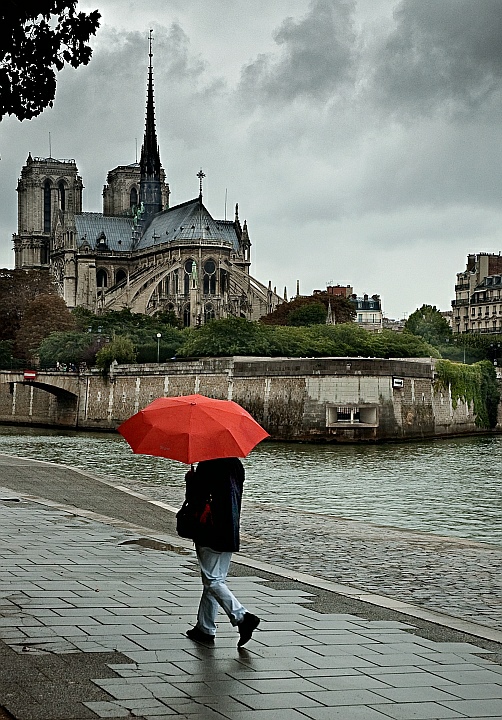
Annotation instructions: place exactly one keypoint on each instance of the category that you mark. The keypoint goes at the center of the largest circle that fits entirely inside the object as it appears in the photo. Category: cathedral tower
(49, 192)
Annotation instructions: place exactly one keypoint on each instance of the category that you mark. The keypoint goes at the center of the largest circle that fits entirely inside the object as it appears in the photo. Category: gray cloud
(444, 55)
(316, 56)
(358, 143)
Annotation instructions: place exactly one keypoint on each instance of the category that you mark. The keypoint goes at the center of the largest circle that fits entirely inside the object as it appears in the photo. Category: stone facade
(307, 400)
(368, 312)
(477, 307)
(48, 190)
(139, 253)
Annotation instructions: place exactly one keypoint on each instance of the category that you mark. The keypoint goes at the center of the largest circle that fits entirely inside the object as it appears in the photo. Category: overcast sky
(361, 138)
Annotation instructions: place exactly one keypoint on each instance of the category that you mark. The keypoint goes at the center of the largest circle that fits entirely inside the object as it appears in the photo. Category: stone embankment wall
(325, 399)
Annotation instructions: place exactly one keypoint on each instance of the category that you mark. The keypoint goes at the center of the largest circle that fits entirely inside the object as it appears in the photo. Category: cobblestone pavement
(453, 576)
(92, 626)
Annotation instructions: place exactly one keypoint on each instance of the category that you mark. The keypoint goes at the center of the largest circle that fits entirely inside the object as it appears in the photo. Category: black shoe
(199, 636)
(247, 627)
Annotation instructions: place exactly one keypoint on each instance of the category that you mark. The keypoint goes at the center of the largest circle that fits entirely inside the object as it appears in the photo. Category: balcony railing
(485, 301)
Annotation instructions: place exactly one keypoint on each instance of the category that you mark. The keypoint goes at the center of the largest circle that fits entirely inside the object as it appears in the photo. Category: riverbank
(435, 573)
(94, 609)
(335, 400)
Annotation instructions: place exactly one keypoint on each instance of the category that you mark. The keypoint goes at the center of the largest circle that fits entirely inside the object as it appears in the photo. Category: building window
(133, 197)
(188, 276)
(209, 283)
(62, 196)
(47, 206)
(101, 280)
(120, 275)
(224, 281)
(208, 312)
(186, 316)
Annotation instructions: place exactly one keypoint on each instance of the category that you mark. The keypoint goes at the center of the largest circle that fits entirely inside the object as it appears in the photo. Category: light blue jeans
(213, 569)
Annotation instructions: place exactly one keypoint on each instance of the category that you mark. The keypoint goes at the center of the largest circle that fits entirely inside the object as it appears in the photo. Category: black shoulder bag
(192, 522)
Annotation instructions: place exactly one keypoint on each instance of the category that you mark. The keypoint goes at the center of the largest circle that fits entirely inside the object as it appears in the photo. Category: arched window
(176, 282)
(223, 282)
(209, 282)
(62, 195)
(186, 316)
(208, 312)
(120, 275)
(188, 276)
(133, 197)
(101, 279)
(47, 206)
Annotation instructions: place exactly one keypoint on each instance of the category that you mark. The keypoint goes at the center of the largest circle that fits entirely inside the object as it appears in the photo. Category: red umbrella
(192, 428)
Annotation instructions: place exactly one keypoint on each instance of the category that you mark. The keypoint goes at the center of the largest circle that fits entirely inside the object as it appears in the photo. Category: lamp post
(159, 335)
(463, 346)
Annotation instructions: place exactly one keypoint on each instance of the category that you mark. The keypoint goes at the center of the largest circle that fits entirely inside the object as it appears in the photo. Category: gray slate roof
(118, 231)
(189, 222)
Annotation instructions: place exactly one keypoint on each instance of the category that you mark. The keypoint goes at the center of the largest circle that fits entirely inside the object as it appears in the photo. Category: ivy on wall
(474, 384)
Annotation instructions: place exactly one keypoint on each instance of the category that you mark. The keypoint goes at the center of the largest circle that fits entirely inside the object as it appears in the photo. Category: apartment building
(477, 307)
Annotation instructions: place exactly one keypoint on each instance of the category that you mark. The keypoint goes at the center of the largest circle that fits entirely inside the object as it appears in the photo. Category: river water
(448, 487)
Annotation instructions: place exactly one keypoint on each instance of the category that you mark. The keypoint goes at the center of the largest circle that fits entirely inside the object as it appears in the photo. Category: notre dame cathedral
(139, 253)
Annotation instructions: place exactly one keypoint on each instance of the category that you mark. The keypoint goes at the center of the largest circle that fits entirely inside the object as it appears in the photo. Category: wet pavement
(96, 593)
(439, 573)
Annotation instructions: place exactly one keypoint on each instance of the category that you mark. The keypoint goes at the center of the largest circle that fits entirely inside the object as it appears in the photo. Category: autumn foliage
(299, 311)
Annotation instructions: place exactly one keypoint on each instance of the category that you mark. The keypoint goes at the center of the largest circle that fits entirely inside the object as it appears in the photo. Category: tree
(428, 323)
(169, 317)
(237, 336)
(36, 40)
(7, 362)
(140, 328)
(44, 315)
(229, 336)
(70, 348)
(341, 308)
(168, 347)
(311, 314)
(17, 289)
(120, 349)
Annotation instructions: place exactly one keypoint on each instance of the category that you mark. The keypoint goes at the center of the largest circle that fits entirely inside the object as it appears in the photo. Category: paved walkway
(93, 612)
(441, 574)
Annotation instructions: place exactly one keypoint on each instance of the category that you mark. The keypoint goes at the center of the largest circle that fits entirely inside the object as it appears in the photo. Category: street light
(159, 335)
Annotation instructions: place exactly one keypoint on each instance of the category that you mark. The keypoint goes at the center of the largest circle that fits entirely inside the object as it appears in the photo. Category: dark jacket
(221, 481)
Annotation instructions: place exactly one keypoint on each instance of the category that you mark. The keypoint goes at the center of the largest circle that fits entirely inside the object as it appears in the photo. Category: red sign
(30, 374)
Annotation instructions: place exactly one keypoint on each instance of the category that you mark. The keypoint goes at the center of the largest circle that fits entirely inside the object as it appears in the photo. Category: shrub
(474, 384)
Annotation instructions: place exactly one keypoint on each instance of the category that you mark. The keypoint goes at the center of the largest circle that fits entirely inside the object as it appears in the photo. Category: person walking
(216, 487)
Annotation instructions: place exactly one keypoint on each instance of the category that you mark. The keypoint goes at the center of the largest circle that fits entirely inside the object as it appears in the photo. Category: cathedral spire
(150, 184)
(201, 177)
